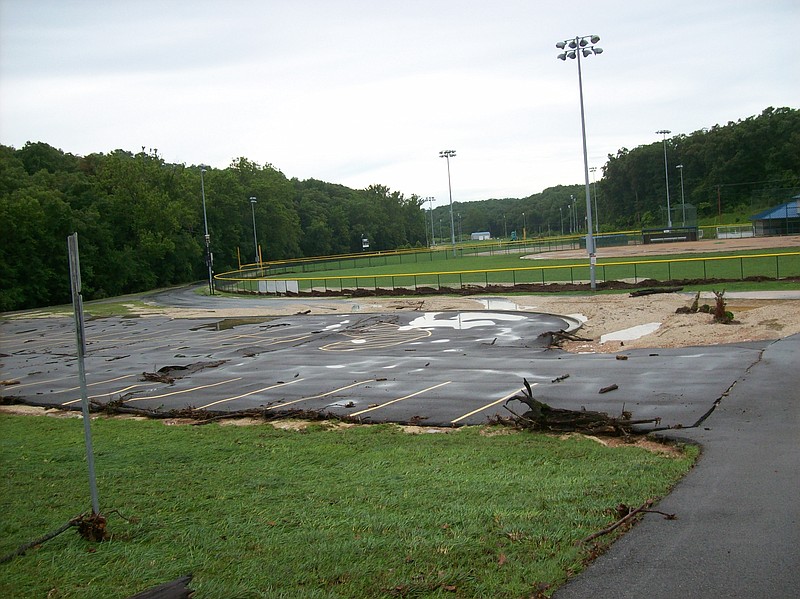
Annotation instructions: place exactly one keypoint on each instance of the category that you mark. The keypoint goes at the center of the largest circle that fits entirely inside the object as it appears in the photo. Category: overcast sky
(359, 92)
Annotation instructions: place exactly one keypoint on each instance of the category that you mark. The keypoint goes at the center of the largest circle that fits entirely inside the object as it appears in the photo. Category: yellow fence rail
(773, 266)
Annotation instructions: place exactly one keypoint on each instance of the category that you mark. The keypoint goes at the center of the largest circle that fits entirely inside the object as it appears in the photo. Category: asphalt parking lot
(737, 516)
(444, 368)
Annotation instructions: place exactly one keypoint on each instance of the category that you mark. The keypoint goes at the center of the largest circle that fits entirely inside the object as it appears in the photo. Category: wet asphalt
(737, 532)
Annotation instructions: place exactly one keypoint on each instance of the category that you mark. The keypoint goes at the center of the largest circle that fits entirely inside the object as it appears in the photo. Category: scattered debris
(621, 357)
(541, 416)
(558, 379)
(692, 308)
(9, 382)
(721, 315)
(175, 589)
(642, 292)
(169, 374)
(558, 337)
(625, 514)
(303, 312)
(91, 527)
(609, 388)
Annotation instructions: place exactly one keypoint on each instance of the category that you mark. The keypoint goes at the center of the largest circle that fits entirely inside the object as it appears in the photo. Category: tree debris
(169, 374)
(558, 337)
(91, 527)
(642, 292)
(175, 589)
(721, 315)
(609, 388)
(541, 416)
(625, 515)
(558, 379)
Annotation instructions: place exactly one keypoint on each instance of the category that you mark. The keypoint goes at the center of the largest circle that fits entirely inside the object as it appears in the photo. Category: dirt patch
(640, 441)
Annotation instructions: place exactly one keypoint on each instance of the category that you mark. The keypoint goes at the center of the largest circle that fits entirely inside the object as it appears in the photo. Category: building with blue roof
(780, 220)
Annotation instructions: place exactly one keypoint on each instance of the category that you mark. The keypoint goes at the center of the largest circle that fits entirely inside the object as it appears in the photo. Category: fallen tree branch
(541, 416)
(626, 518)
(642, 292)
(43, 539)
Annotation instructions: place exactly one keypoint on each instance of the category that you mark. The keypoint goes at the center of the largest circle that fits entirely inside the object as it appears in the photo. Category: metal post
(683, 203)
(666, 132)
(594, 186)
(77, 304)
(433, 232)
(447, 154)
(582, 46)
(255, 237)
(589, 236)
(209, 256)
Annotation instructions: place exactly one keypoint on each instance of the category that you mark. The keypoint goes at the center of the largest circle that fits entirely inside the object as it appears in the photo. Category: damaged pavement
(431, 368)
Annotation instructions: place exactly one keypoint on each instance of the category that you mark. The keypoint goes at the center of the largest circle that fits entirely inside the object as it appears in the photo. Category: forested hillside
(140, 219)
(733, 170)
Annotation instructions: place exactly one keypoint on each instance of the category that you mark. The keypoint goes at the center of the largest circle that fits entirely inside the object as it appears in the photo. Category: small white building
(480, 236)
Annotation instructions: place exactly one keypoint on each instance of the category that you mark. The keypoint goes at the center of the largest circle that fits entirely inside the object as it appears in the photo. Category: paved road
(738, 527)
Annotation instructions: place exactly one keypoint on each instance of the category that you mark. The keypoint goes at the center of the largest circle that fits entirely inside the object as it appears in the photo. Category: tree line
(730, 172)
(140, 219)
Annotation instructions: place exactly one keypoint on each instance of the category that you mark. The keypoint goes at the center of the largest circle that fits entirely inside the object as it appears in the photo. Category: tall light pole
(209, 256)
(561, 214)
(573, 214)
(683, 203)
(666, 132)
(524, 234)
(594, 186)
(505, 229)
(433, 233)
(582, 47)
(448, 154)
(255, 238)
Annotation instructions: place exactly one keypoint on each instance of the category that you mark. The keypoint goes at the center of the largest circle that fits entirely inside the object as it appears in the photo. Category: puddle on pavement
(226, 324)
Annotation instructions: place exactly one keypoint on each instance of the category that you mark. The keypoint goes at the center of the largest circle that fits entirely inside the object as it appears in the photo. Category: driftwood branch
(541, 416)
(642, 509)
(642, 292)
(43, 539)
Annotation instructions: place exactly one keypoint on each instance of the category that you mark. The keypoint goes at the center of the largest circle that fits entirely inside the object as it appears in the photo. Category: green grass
(359, 512)
(473, 271)
(512, 261)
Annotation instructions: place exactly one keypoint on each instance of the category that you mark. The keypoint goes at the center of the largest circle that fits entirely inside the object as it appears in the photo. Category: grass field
(325, 512)
(511, 270)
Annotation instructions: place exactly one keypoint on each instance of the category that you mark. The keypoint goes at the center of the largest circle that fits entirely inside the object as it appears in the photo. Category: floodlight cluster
(585, 45)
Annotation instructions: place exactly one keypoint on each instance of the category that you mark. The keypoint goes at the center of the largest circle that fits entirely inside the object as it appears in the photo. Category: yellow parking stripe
(326, 394)
(214, 403)
(123, 390)
(119, 378)
(183, 390)
(489, 405)
(383, 405)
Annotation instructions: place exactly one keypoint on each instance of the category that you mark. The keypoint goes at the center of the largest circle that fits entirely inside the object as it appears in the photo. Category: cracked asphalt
(737, 533)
